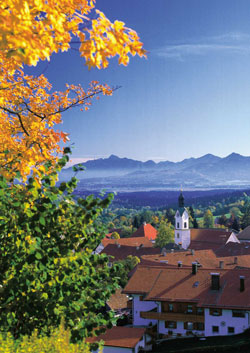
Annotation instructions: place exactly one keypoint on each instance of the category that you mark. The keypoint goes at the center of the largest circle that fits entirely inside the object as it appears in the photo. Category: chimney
(179, 263)
(194, 268)
(236, 260)
(144, 223)
(242, 283)
(221, 264)
(172, 250)
(118, 245)
(164, 252)
(215, 281)
(192, 251)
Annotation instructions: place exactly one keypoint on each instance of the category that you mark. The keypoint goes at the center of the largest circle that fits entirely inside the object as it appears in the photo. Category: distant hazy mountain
(203, 172)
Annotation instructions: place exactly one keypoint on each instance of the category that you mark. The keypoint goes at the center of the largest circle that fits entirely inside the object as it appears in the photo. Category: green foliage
(195, 223)
(115, 235)
(235, 225)
(208, 220)
(48, 270)
(245, 221)
(223, 220)
(57, 342)
(126, 231)
(126, 266)
(144, 216)
(165, 235)
(170, 215)
(235, 212)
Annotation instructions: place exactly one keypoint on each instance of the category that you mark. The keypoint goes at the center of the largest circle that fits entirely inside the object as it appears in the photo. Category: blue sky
(191, 96)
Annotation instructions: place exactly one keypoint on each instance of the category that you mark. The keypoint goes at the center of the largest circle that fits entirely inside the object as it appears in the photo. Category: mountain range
(208, 171)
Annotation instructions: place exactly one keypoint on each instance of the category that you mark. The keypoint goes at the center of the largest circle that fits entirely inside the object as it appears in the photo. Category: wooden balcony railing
(152, 315)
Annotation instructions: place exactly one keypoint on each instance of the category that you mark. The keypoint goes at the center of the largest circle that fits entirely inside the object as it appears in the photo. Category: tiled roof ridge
(187, 268)
(217, 229)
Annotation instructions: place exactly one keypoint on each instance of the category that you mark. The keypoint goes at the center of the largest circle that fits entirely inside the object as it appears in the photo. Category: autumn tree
(31, 31)
(48, 268)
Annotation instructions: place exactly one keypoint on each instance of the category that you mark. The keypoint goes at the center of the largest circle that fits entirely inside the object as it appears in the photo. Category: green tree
(235, 212)
(170, 215)
(223, 220)
(165, 235)
(195, 224)
(126, 266)
(115, 235)
(48, 271)
(235, 225)
(208, 220)
(245, 221)
(136, 221)
(126, 231)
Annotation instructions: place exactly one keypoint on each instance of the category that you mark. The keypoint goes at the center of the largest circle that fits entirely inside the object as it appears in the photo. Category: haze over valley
(123, 174)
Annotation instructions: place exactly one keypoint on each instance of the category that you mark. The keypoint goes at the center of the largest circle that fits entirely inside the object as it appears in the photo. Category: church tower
(182, 231)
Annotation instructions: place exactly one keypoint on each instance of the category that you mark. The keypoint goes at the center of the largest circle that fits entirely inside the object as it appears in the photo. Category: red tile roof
(202, 238)
(120, 336)
(233, 249)
(146, 230)
(118, 300)
(179, 284)
(210, 235)
(206, 259)
(121, 252)
(128, 241)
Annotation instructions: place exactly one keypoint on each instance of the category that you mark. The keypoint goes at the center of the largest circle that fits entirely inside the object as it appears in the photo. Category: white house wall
(179, 329)
(224, 321)
(139, 306)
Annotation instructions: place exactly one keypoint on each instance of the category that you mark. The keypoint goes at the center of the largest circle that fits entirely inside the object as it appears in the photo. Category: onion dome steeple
(181, 200)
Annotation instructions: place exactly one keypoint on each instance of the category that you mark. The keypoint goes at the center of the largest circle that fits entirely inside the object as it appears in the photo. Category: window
(178, 235)
(170, 324)
(200, 311)
(185, 224)
(215, 312)
(238, 313)
(215, 329)
(188, 326)
(178, 225)
(190, 308)
(170, 307)
(141, 298)
(200, 326)
(230, 329)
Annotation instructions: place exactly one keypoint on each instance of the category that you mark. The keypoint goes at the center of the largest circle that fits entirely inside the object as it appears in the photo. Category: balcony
(153, 315)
